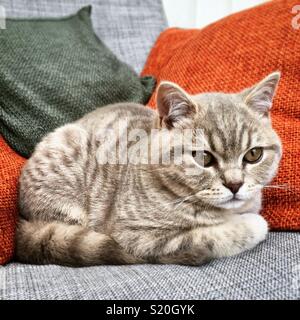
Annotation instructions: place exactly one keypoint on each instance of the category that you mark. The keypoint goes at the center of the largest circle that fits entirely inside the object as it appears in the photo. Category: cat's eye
(205, 158)
(254, 155)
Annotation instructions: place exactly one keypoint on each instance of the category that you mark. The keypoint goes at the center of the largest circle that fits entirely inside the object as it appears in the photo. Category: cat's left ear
(259, 97)
(175, 106)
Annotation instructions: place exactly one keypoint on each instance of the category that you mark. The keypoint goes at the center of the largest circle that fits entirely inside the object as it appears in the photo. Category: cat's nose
(234, 187)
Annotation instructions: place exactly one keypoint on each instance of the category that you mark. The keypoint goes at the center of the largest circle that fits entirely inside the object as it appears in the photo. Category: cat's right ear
(175, 106)
(259, 97)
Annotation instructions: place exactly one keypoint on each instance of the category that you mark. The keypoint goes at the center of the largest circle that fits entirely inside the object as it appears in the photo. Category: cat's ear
(259, 97)
(175, 106)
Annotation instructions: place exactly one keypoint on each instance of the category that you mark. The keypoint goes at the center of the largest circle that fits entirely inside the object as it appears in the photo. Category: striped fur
(75, 211)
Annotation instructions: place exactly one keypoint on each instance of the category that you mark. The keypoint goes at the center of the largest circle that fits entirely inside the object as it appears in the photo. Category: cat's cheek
(249, 189)
(272, 171)
(264, 171)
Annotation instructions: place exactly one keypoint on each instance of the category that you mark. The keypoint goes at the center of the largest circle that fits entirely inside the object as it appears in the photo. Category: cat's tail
(71, 245)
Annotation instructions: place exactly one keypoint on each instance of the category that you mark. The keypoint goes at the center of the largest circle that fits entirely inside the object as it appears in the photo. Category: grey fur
(77, 212)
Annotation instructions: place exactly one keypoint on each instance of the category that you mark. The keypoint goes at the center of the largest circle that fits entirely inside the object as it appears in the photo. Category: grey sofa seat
(128, 27)
(270, 271)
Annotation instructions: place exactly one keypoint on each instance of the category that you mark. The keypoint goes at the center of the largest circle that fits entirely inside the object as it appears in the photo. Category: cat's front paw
(242, 233)
(257, 227)
(248, 230)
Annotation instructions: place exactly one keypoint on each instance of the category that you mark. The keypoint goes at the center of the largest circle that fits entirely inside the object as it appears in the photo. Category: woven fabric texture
(128, 27)
(10, 167)
(270, 271)
(53, 71)
(235, 53)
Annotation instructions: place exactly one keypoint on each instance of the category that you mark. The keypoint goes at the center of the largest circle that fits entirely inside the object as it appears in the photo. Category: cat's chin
(230, 204)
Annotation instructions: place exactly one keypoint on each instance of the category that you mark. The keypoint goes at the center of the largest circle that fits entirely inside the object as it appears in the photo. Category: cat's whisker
(185, 199)
(175, 202)
(282, 186)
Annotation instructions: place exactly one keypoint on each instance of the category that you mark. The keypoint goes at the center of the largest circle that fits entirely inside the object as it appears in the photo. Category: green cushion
(53, 71)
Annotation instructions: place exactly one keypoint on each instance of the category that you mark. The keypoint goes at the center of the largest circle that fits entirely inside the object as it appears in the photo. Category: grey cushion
(128, 27)
(270, 271)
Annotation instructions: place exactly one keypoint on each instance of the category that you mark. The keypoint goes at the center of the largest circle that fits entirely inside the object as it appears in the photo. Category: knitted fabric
(10, 166)
(53, 71)
(235, 53)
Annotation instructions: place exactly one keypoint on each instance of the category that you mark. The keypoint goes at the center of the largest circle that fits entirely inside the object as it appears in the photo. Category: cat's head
(240, 152)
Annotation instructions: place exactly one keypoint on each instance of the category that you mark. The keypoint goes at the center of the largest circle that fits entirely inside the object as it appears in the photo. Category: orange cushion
(10, 167)
(235, 53)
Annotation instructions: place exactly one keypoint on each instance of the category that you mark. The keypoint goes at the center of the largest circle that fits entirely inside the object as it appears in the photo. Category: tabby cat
(79, 210)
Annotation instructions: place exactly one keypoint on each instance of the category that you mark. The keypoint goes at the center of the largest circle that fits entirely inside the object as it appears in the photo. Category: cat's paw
(241, 233)
(257, 227)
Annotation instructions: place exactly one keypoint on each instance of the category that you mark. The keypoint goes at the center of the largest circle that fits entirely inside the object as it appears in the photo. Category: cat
(78, 211)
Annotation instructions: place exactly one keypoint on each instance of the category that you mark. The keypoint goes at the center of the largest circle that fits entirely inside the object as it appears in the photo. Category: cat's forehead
(218, 102)
(228, 126)
(225, 111)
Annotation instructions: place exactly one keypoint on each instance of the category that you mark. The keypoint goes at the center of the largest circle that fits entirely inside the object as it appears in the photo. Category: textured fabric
(53, 71)
(10, 166)
(233, 54)
(270, 271)
(128, 27)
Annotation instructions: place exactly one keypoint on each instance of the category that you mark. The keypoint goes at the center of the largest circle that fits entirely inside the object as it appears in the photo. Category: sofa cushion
(128, 27)
(232, 54)
(270, 271)
(10, 167)
(52, 72)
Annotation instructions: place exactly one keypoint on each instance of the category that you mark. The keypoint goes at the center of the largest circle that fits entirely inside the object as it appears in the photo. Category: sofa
(270, 271)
